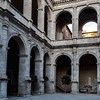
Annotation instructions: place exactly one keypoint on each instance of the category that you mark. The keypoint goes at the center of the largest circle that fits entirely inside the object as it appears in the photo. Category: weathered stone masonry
(33, 69)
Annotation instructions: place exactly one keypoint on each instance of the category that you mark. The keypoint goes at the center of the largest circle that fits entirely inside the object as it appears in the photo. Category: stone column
(49, 28)
(52, 75)
(39, 74)
(50, 82)
(3, 58)
(98, 21)
(27, 9)
(75, 73)
(41, 12)
(24, 85)
(98, 78)
(75, 23)
(27, 66)
(47, 74)
(52, 79)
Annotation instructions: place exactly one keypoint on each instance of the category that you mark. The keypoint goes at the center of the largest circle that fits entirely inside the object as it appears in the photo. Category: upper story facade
(47, 20)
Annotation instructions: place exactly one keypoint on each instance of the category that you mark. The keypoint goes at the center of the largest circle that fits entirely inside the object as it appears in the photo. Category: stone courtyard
(59, 96)
(49, 47)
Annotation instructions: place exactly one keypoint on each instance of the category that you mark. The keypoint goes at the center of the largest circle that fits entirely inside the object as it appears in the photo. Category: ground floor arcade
(38, 72)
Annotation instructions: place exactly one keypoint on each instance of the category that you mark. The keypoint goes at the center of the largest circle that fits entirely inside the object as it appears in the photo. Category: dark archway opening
(88, 74)
(87, 15)
(63, 74)
(18, 4)
(13, 68)
(62, 30)
(46, 72)
(46, 21)
(32, 71)
(35, 11)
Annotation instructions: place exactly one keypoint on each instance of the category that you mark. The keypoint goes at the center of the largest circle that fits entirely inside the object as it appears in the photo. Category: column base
(3, 98)
(98, 88)
(39, 87)
(3, 86)
(75, 89)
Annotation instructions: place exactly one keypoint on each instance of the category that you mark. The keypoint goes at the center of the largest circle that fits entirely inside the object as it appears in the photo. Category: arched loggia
(63, 31)
(88, 14)
(88, 74)
(14, 65)
(46, 73)
(34, 64)
(63, 74)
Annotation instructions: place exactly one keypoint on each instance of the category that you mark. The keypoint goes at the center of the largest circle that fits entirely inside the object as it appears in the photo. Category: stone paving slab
(59, 97)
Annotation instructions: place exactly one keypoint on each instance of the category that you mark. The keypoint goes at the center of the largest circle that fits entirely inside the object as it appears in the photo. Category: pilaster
(50, 81)
(75, 23)
(23, 75)
(75, 71)
(27, 9)
(49, 28)
(3, 58)
(52, 75)
(27, 66)
(98, 74)
(98, 20)
(53, 30)
(39, 73)
(41, 12)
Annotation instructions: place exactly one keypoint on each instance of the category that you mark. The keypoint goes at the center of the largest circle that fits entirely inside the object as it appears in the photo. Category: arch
(87, 52)
(89, 7)
(88, 82)
(37, 52)
(62, 30)
(38, 48)
(63, 74)
(16, 49)
(21, 42)
(60, 54)
(89, 10)
(47, 58)
(64, 11)
(87, 14)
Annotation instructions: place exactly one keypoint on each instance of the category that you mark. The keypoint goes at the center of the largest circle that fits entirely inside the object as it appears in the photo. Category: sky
(88, 27)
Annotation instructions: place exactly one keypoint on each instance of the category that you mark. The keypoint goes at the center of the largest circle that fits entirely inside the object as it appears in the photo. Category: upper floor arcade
(58, 26)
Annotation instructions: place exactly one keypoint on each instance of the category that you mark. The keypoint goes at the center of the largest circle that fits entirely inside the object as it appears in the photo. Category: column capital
(23, 55)
(47, 65)
(38, 60)
(40, 9)
(98, 63)
(78, 64)
(54, 64)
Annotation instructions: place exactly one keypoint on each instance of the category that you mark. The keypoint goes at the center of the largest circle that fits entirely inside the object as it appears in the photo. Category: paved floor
(59, 97)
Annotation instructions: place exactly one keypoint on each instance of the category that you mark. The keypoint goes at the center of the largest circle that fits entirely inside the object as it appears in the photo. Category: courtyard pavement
(59, 96)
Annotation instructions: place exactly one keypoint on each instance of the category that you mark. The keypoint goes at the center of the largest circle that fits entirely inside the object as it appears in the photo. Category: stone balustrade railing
(64, 1)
